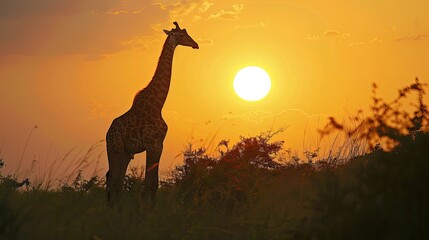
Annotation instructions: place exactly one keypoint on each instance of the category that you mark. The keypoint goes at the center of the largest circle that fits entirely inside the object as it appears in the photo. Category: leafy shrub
(390, 123)
(382, 195)
(228, 182)
(80, 184)
(10, 182)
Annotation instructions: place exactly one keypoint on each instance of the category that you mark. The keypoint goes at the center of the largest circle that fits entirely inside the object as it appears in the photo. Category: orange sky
(71, 67)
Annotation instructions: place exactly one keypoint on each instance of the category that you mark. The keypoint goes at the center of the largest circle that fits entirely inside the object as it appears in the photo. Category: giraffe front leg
(118, 163)
(151, 175)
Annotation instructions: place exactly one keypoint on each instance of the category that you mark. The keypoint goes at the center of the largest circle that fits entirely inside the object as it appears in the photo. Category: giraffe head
(181, 37)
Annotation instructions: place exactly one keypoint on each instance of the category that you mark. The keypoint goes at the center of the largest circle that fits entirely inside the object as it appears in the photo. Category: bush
(383, 194)
(229, 182)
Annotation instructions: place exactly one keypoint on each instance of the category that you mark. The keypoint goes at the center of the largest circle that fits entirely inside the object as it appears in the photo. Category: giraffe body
(142, 127)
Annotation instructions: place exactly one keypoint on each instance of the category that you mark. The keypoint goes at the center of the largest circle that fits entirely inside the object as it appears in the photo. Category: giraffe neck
(160, 84)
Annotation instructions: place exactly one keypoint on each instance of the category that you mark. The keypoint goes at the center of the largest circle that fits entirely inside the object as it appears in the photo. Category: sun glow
(252, 83)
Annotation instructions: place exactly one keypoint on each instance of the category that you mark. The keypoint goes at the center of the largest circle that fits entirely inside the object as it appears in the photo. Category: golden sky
(71, 67)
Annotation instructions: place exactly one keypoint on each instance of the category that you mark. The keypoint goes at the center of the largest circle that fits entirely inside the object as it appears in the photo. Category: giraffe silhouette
(142, 127)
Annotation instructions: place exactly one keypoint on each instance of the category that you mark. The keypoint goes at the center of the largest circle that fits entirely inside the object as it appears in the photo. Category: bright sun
(252, 83)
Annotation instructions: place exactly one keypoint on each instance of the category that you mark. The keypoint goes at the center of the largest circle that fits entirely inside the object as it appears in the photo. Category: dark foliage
(227, 183)
(381, 195)
(390, 122)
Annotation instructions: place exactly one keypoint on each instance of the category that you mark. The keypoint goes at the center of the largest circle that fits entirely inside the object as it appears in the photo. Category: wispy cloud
(87, 27)
(374, 40)
(329, 34)
(126, 12)
(230, 14)
(416, 37)
(118, 12)
(204, 41)
(139, 42)
(341, 38)
(183, 9)
(196, 18)
(205, 6)
(179, 10)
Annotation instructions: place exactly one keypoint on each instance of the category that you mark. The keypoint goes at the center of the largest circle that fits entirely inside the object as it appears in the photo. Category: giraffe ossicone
(142, 127)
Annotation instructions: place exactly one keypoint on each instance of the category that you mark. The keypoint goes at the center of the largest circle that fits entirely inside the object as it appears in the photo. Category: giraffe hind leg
(118, 163)
(151, 175)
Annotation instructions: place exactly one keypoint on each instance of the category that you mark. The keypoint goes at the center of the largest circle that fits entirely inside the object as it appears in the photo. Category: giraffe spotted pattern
(142, 127)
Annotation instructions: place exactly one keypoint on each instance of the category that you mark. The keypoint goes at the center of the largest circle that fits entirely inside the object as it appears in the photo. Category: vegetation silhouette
(142, 128)
(254, 190)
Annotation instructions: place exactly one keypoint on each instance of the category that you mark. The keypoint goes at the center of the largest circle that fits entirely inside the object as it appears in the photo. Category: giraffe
(142, 127)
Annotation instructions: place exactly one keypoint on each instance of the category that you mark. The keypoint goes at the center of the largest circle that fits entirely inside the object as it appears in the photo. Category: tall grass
(52, 173)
